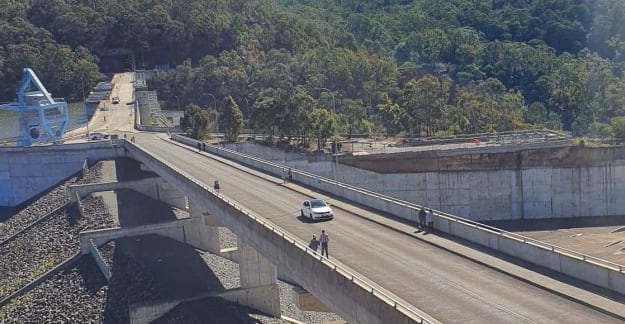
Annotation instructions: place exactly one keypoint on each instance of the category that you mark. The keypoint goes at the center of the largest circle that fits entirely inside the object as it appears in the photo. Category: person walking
(285, 173)
(199, 147)
(290, 173)
(314, 243)
(204, 147)
(422, 219)
(324, 239)
(216, 186)
(430, 219)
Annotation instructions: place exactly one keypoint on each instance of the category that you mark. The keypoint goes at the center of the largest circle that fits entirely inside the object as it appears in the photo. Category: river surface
(9, 120)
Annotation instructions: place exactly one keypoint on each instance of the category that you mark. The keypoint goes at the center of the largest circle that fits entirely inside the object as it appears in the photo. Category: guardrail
(408, 211)
(378, 292)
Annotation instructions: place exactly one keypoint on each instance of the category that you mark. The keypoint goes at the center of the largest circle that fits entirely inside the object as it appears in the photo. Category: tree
(321, 125)
(618, 126)
(231, 120)
(353, 113)
(195, 122)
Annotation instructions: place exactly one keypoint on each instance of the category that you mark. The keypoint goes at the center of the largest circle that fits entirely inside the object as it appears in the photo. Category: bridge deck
(435, 274)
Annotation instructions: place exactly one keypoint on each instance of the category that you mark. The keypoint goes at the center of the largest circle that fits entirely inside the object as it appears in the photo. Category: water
(9, 119)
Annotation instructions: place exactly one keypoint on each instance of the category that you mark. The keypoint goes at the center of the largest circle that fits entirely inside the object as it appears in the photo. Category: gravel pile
(50, 201)
(47, 244)
(77, 295)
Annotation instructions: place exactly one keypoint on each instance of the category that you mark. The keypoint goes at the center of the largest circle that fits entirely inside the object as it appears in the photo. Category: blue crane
(41, 118)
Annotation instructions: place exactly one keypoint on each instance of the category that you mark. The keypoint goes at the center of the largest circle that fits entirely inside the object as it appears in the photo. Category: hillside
(412, 67)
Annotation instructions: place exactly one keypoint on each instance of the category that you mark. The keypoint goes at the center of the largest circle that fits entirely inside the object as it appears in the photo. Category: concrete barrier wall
(160, 129)
(104, 268)
(503, 194)
(596, 271)
(352, 298)
(28, 171)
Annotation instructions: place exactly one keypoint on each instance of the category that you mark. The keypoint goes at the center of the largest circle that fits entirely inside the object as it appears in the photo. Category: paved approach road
(450, 288)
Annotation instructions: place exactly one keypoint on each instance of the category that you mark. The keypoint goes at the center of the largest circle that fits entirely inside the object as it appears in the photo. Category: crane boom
(29, 77)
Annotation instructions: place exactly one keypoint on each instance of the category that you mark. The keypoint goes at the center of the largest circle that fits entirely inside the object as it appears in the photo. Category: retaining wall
(483, 183)
(28, 171)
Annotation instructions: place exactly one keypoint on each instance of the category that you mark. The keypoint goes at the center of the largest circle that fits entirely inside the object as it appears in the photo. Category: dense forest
(297, 68)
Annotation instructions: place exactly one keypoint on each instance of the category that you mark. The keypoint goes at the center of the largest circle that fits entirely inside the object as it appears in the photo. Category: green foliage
(321, 124)
(195, 121)
(601, 130)
(618, 127)
(416, 67)
(231, 120)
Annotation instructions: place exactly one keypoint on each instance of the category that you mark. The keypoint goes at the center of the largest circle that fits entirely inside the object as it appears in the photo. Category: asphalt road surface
(448, 287)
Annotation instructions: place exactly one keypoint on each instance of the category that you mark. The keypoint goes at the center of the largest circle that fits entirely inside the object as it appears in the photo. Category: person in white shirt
(429, 218)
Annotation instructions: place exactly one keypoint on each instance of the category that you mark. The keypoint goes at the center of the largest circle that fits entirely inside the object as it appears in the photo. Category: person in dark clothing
(422, 218)
(290, 175)
(314, 243)
(324, 239)
(216, 185)
(204, 146)
(199, 147)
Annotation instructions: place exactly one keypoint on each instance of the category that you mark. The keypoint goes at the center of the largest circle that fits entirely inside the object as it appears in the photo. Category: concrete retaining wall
(352, 298)
(28, 171)
(104, 268)
(502, 194)
(596, 271)
(160, 129)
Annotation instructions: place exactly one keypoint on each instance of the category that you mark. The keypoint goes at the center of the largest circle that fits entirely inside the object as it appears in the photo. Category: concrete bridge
(380, 270)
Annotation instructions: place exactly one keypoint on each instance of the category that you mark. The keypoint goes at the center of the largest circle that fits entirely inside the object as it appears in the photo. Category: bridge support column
(204, 234)
(257, 272)
(168, 194)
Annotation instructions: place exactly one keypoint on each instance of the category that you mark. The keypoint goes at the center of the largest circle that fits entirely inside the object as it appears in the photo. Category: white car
(316, 209)
(98, 136)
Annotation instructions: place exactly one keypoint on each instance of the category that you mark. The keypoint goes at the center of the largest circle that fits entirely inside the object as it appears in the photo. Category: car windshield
(317, 203)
